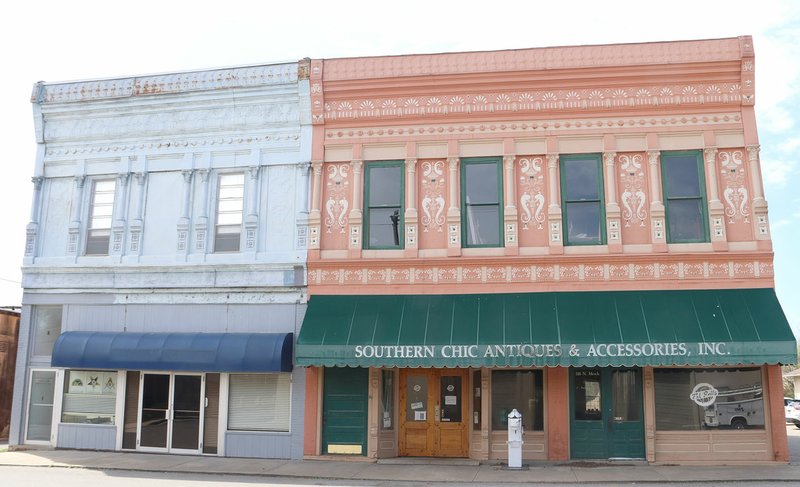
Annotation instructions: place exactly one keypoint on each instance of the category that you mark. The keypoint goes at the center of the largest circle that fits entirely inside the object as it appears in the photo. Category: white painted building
(164, 269)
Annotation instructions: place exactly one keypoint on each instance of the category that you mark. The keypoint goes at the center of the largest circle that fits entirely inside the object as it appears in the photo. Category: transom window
(684, 196)
(582, 200)
(230, 205)
(383, 215)
(100, 213)
(481, 211)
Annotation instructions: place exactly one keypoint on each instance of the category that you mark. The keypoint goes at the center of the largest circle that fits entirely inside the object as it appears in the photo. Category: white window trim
(33, 326)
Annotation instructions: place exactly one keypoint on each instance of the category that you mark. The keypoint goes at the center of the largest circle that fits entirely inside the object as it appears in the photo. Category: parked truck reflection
(736, 408)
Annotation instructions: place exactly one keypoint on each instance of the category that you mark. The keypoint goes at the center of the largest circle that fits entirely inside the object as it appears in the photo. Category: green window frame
(372, 209)
(481, 206)
(571, 204)
(673, 201)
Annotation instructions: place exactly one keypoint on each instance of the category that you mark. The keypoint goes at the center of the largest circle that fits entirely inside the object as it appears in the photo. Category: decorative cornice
(172, 83)
(176, 143)
(280, 114)
(534, 101)
(535, 59)
(534, 126)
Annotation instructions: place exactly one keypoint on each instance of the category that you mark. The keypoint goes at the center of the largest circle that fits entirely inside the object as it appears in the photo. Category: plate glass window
(384, 209)
(521, 390)
(481, 210)
(40, 405)
(709, 399)
(230, 205)
(582, 193)
(684, 197)
(90, 397)
(100, 213)
(259, 402)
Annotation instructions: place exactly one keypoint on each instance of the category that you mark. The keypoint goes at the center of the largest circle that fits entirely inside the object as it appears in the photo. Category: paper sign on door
(420, 416)
(450, 400)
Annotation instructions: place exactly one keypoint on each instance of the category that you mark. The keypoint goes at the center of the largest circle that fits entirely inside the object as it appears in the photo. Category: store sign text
(676, 349)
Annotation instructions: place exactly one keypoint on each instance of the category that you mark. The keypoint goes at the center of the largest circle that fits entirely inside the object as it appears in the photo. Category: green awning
(613, 328)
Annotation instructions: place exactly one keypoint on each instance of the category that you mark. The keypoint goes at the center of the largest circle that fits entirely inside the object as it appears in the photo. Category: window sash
(371, 227)
(472, 235)
(567, 202)
(673, 221)
(259, 402)
(230, 213)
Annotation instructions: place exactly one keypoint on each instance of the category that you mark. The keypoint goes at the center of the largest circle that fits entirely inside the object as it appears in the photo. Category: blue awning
(189, 352)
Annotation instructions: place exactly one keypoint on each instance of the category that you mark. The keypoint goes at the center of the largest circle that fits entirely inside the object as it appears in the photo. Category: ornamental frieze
(563, 272)
(546, 100)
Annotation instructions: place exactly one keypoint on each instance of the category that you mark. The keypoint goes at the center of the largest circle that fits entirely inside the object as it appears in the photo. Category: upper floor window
(230, 205)
(481, 211)
(582, 200)
(383, 211)
(100, 210)
(46, 329)
(684, 196)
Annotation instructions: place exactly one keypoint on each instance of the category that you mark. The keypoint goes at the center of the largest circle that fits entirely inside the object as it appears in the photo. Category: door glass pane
(40, 408)
(186, 422)
(626, 402)
(450, 398)
(387, 399)
(587, 395)
(155, 404)
(417, 398)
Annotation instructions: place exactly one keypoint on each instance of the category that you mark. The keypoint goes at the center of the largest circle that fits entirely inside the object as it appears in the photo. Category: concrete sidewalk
(435, 471)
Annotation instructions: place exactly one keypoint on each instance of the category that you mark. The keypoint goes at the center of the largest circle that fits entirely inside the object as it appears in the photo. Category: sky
(60, 41)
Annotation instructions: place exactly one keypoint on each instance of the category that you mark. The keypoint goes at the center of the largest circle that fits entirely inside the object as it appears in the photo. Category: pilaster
(454, 209)
(73, 240)
(716, 210)
(356, 215)
(183, 220)
(657, 213)
(252, 178)
(135, 226)
(32, 230)
(554, 216)
(314, 215)
(613, 213)
(411, 217)
(119, 219)
(510, 210)
(760, 207)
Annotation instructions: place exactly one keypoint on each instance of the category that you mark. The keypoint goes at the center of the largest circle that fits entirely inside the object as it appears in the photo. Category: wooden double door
(434, 412)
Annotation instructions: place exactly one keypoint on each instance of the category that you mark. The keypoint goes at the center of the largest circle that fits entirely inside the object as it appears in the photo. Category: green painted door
(606, 413)
(344, 410)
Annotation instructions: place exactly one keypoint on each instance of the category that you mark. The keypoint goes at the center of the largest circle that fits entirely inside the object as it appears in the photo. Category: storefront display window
(259, 402)
(695, 399)
(90, 397)
(521, 390)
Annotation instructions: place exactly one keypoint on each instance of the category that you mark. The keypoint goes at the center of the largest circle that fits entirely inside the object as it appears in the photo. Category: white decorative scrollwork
(532, 200)
(735, 193)
(633, 197)
(433, 203)
(336, 206)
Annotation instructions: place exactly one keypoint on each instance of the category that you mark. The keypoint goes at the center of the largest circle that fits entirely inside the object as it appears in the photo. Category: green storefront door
(606, 413)
(344, 410)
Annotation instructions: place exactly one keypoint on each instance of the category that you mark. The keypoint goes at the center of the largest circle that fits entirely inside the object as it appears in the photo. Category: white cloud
(777, 171)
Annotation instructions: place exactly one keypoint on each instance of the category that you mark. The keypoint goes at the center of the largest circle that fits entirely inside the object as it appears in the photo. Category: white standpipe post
(515, 439)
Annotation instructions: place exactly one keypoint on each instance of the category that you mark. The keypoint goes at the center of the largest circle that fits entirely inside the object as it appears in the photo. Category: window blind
(259, 402)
